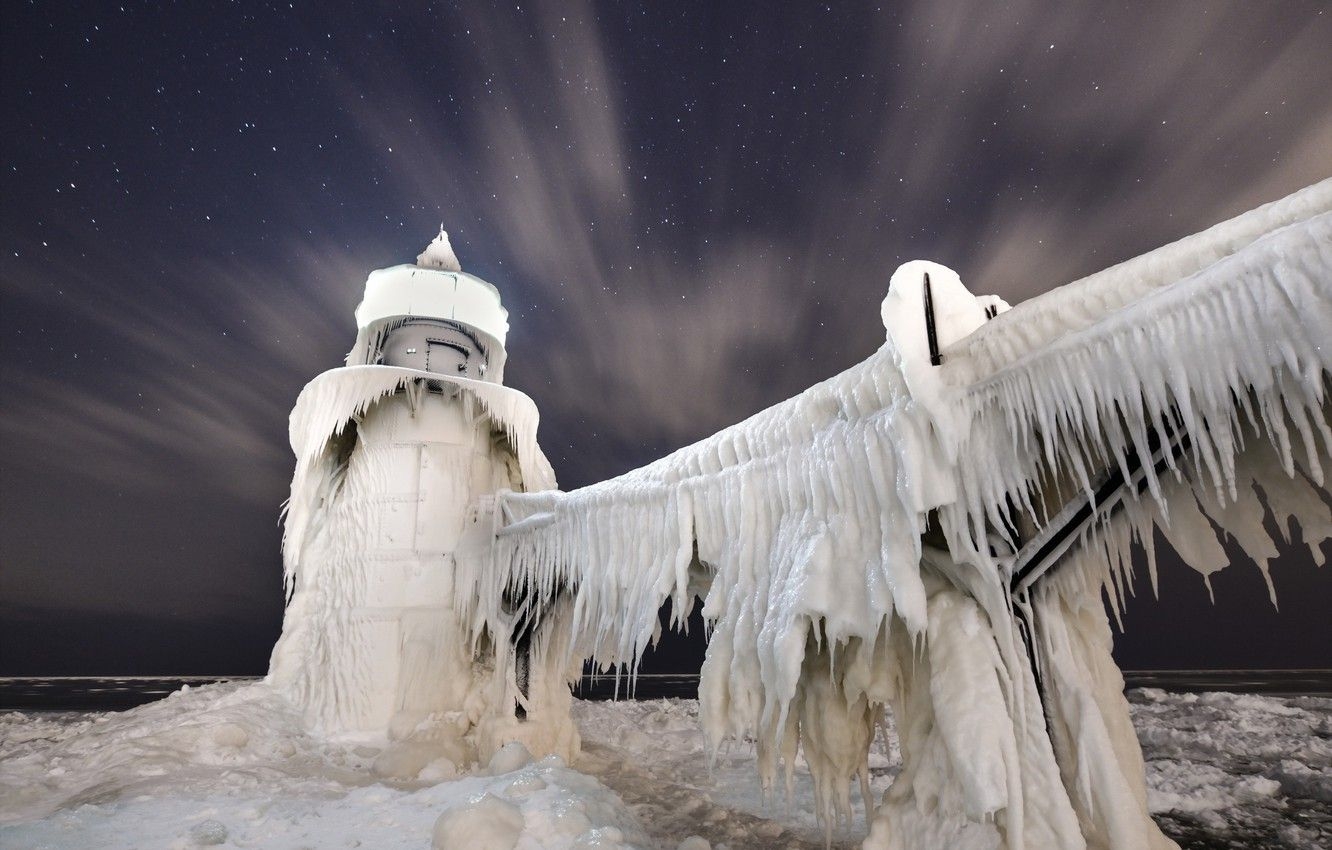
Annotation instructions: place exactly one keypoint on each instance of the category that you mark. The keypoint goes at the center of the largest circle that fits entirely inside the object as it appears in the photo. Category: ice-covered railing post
(395, 453)
(879, 541)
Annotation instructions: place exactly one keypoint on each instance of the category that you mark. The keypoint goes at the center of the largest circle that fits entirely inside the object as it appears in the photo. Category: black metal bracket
(1042, 554)
(935, 357)
(522, 668)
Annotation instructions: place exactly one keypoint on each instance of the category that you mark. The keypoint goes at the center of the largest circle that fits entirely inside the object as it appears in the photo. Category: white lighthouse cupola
(432, 316)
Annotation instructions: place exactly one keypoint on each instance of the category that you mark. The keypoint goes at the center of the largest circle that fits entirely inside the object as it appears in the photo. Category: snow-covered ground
(226, 765)
(1238, 770)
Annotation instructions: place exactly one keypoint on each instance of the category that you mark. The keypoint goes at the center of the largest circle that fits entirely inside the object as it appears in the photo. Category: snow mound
(508, 758)
(234, 766)
(486, 824)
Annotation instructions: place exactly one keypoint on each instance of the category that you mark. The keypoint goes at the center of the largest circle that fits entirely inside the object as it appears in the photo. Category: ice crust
(801, 528)
(333, 400)
(168, 774)
(391, 463)
(239, 767)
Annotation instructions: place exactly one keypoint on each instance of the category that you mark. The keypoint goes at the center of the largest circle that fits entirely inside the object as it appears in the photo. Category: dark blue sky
(692, 212)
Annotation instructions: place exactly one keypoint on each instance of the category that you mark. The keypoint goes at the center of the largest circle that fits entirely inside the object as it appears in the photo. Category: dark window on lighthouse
(446, 357)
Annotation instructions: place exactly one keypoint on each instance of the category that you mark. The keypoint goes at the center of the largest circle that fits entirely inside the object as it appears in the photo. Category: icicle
(807, 519)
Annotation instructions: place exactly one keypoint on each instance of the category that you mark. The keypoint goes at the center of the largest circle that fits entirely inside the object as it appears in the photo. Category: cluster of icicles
(332, 402)
(853, 545)
(849, 544)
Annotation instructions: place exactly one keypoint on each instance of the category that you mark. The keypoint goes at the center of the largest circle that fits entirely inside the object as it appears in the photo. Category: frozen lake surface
(115, 693)
(226, 765)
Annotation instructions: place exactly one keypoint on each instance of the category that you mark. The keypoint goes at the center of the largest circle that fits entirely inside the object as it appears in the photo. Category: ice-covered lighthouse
(395, 452)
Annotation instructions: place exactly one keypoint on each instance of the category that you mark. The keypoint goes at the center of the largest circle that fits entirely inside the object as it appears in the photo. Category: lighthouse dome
(435, 293)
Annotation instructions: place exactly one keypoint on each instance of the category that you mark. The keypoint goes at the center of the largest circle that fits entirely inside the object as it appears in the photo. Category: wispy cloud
(684, 229)
(188, 375)
(1026, 149)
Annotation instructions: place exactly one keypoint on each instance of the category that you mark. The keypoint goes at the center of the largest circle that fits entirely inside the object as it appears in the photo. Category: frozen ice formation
(439, 254)
(864, 546)
(394, 453)
(928, 533)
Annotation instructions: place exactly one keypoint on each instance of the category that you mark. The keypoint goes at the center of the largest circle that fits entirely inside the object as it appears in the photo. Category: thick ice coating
(902, 537)
(854, 545)
(394, 453)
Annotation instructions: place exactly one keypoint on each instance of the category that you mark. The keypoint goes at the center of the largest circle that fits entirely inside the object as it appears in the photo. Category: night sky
(691, 212)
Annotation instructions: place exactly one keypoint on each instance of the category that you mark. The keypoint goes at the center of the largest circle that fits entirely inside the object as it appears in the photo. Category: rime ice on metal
(856, 546)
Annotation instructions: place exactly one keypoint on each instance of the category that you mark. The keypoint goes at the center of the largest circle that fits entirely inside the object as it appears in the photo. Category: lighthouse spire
(439, 254)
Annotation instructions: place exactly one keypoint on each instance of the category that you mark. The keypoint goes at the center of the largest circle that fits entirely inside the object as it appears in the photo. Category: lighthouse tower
(394, 451)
